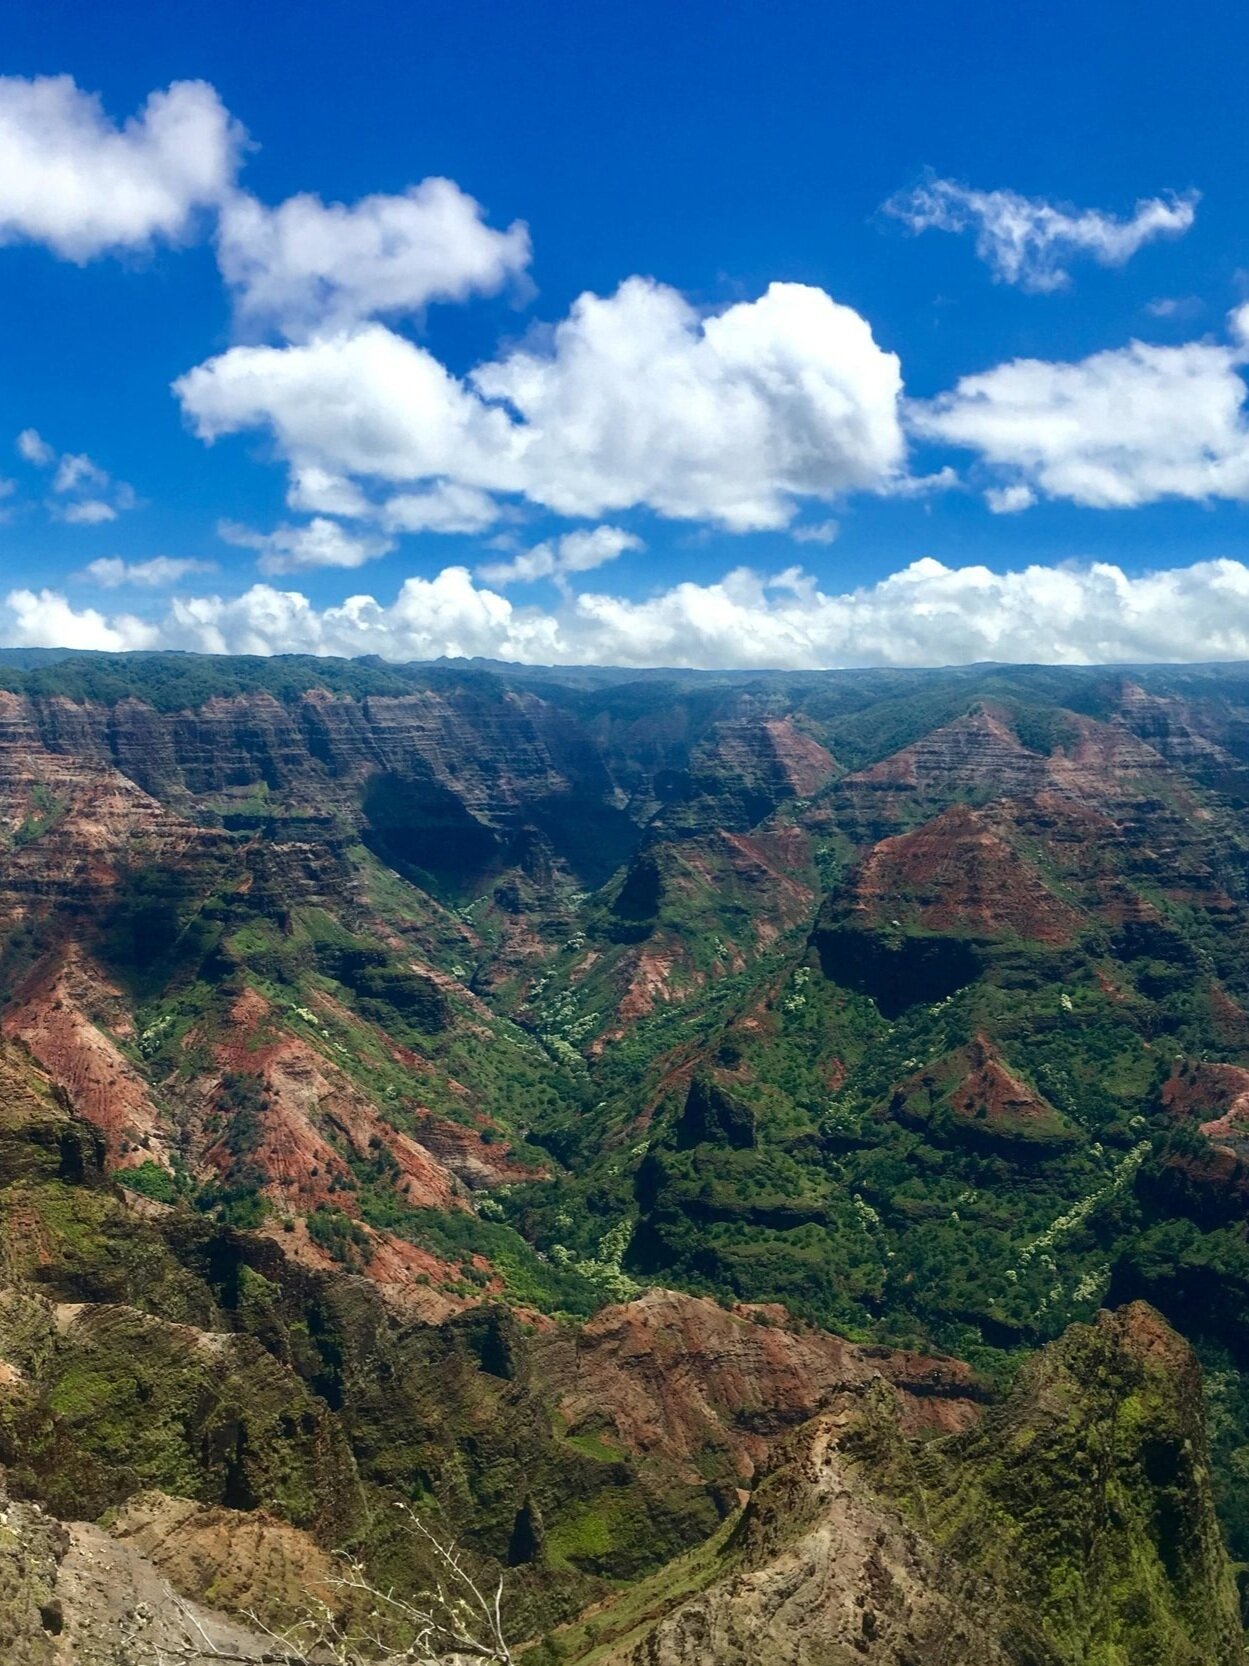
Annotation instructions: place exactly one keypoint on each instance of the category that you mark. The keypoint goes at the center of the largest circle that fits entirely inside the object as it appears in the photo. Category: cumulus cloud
(729, 418)
(1031, 242)
(315, 491)
(84, 494)
(816, 532)
(319, 542)
(74, 180)
(1009, 500)
(444, 507)
(927, 614)
(112, 572)
(45, 619)
(33, 448)
(1125, 427)
(308, 264)
(575, 552)
(364, 403)
(635, 399)
(88, 511)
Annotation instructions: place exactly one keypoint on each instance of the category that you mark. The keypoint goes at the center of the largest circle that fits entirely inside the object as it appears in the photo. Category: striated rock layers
(1074, 1525)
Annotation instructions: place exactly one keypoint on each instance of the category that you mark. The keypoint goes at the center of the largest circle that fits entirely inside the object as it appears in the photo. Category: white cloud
(1030, 242)
(444, 507)
(90, 511)
(923, 485)
(315, 491)
(728, 418)
(365, 403)
(72, 179)
(44, 619)
(86, 494)
(816, 532)
(1175, 306)
(1009, 500)
(76, 472)
(317, 543)
(927, 614)
(1122, 428)
(112, 572)
(637, 400)
(310, 265)
(33, 448)
(574, 552)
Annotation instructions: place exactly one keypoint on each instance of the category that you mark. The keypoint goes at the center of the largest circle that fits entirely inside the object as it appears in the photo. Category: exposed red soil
(411, 1279)
(58, 1014)
(807, 766)
(982, 1093)
(979, 754)
(1216, 1098)
(473, 1158)
(767, 863)
(671, 1377)
(1230, 1020)
(73, 824)
(306, 1100)
(771, 753)
(958, 874)
(651, 983)
(973, 751)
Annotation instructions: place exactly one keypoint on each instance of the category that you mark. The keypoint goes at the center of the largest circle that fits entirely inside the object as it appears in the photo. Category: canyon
(760, 1161)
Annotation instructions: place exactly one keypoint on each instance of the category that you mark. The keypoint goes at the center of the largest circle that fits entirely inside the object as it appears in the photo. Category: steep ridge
(862, 1546)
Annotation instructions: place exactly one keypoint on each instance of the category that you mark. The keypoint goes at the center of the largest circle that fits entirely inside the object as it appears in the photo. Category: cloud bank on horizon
(927, 614)
(638, 405)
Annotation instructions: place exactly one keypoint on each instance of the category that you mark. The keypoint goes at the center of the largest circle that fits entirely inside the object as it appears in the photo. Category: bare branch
(455, 1619)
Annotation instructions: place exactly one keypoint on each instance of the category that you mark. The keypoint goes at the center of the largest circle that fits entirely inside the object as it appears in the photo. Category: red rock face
(671, 1376)
(1177, 729)
(958, 874)
(768, 864)
(305, 1100)
(805, 764)
(1231, 1021)
(978, 757)
(975, 756)
(768, 754)
(64, 1015)
(1216, 1098)
(973, 1093)
(74, 825)
(412, 1282)
(742, 889)
(651, 981)
(472, 1157)
(239, 742)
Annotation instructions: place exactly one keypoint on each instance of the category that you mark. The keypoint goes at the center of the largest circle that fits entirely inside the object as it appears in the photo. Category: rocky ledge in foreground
(1072, 1527)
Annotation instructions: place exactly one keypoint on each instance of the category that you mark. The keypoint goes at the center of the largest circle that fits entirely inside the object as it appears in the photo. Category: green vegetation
(340, 1237)
(45, 812)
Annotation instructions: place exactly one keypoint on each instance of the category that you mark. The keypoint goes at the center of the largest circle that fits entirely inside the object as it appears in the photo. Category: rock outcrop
(1074, 1524)
(73, 1595)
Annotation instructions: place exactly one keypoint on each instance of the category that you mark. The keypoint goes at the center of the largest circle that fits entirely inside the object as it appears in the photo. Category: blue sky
(242, 407)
